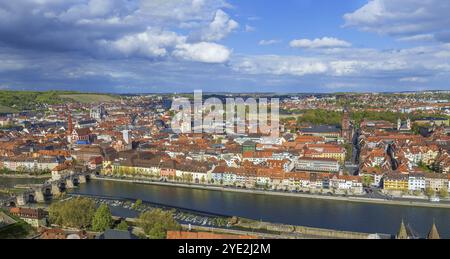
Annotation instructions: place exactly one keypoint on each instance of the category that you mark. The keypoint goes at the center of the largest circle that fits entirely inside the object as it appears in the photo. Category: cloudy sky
(225, 45)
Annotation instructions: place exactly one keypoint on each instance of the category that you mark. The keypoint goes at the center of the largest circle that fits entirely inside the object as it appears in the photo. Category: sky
(289, 46)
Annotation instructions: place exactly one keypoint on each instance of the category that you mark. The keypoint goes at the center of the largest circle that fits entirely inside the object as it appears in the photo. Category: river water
(340, 215)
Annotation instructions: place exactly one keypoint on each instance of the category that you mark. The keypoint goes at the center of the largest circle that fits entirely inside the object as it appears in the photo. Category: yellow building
(396, 182)
(337, 156)
(326, 151)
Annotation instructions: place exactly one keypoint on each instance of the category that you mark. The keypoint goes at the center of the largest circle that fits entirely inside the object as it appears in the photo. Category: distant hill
(11, 101)
(89, 98)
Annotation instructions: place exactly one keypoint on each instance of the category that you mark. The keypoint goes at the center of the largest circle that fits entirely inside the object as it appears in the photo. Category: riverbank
(407, 203)
(26, 176)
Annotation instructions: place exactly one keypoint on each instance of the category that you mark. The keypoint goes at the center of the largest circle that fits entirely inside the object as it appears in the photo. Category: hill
(28, 100)
(5, 109)
(89, 98)
(13, 101)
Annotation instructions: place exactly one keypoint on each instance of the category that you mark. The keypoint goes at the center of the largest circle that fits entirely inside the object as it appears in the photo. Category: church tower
(403, 232)
(433, 234)
(69, 126)
(346, 132)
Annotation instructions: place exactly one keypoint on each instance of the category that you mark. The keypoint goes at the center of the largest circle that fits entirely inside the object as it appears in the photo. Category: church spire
(433, 234)
(69, 122)
(402, 233)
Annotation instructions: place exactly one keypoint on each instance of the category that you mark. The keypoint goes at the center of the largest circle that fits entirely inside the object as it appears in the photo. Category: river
(340, 215)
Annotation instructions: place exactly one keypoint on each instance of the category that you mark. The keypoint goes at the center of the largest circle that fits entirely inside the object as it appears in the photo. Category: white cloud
(413, 79)
(249, 28)
(121, 28)
(279, 65)
(203, 52)
(171, 43)
(325, 42)
(419, 62)
(220, 27)
(268, 42)
(180, 11)
(419, 37)
(159, 44)
(151, 43)
(407, 19)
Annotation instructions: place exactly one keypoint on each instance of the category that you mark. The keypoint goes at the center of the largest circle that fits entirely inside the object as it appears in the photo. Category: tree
(443, 193)
(157, 222)
(417, 193)
(368, 180)
(123, 226)
(429, 192)
(102, 219)
(137, 204)
(75, 213)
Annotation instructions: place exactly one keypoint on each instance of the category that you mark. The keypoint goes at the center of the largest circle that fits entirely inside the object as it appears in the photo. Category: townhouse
(317, 165)
(372, 176)
(30, 164)
(417, 182)
(347, 183)
(329, 151)
(193, 172)
(436, 182)
(137, 167)
(396, 182)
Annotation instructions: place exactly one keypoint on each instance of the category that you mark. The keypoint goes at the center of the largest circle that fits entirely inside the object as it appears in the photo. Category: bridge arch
(76, 181)
(47, 191)
(30, 198)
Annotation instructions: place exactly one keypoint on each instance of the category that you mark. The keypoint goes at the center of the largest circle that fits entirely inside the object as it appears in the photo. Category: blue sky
(225, 45)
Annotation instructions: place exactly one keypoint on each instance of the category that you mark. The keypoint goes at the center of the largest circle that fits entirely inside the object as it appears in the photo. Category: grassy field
(4, 109)
(89, 98)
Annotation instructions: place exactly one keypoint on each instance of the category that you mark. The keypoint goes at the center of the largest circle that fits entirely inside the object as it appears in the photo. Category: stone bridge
(53, 187)
(8, 202)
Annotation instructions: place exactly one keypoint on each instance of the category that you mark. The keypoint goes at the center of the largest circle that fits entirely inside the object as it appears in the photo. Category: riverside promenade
(397, 202)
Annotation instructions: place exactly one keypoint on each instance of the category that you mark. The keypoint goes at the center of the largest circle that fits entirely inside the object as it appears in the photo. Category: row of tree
(321, 116)
(82, 213)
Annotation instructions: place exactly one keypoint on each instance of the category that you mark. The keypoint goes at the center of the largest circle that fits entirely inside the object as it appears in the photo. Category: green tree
(157, 222)
(368, 180)
(443, 193)
(123, 226)
(417, 193)
(429, 192)
(102, 219)
(137, 204)
(75, 213)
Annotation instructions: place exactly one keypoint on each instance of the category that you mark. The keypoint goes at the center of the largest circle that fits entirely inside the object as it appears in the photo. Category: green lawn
(89, 98)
